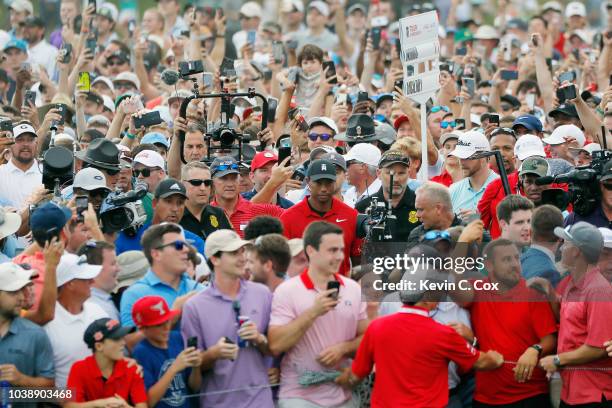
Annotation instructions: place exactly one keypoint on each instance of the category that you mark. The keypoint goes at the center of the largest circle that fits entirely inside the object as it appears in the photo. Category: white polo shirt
(66, 332)
(351, 198)
(16, 185)
(291, 299)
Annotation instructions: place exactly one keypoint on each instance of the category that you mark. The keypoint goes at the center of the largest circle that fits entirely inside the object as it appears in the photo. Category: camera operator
(91, 182)
(602, 215)
(169, 207)
(149, 166)
(403, 201)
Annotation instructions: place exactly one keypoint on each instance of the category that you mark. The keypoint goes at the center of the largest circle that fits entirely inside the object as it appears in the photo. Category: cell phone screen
(331, 70)
(334, 285)
(192, 342)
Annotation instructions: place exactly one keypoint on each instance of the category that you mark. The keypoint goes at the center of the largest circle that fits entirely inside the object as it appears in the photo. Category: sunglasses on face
(439, 108)
(113, 63)
(323, 136)
(178, 245)
(447, 123)
(145, 172)
(607, 186)
(224, 167)
(199, 182)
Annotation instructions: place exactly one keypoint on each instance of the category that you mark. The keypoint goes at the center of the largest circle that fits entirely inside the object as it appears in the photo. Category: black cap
(321, 169)
(607, 171)
(95, 97)
(123, 57)
(391, 157)
(103, 329)
(511, 100)
(34, 21)
(565, 109)
(170, 187)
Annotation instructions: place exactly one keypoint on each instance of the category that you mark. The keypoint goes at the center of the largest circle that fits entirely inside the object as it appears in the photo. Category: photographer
(395, 164)
(601, 216)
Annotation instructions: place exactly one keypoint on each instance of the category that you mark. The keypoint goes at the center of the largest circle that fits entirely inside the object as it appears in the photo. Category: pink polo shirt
(585, 319)
(291, 299)
(36, 262)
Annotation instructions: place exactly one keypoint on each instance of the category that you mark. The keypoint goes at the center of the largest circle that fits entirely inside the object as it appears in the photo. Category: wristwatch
(537, 347)
(557, 361)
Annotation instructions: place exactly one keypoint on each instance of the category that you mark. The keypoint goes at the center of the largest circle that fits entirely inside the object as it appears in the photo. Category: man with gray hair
(200, 217)
(584, 321)
(361, 164)
(434, 209)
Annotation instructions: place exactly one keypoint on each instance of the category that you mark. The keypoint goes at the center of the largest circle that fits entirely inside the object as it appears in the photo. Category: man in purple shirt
(228, 320)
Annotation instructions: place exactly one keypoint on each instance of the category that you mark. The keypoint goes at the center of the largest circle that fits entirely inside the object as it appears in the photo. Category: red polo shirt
(444, 178)
(509, 324)
(88, 384)
(411, 352)
(245, 211)
(297, 218)
(586, 307)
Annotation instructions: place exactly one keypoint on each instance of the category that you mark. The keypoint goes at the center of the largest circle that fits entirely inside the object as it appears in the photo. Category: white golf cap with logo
(470, 143)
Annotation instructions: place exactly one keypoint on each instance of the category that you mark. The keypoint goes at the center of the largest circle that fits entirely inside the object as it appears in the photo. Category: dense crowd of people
(201, 203)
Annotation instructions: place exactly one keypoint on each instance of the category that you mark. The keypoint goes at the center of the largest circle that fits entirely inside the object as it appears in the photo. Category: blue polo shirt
(282, 202)
(151, 285)
(27, 346)
(464, 197)
(124, 242)
(156, 361)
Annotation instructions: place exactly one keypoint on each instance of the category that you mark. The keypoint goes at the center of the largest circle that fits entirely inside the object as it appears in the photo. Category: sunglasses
(224, 167)
(607, 186)
(199, 182)
(433, 235)
(114, 63)
(323, 136)
(178, 245)
(439, 108)
(504, 130)
(145, 172)
(447, 123)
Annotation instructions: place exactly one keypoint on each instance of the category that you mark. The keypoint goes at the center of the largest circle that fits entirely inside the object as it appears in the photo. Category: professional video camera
(57, 169)
(124, 211)
(378, 223)
(583, 191)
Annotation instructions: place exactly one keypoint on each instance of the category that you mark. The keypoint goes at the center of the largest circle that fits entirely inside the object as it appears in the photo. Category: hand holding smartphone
(336, 286)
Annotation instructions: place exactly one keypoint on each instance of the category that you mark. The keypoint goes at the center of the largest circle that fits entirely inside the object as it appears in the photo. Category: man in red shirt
(322, 206)
(509, 319)
(104, 378)
(586, 307)
(239, 211)
(411, 352)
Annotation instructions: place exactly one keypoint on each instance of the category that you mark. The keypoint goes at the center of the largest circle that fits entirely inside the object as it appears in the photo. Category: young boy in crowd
(167, 364)
(104, 379)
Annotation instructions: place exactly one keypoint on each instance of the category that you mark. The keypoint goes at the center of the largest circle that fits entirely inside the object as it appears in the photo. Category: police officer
(395, 163)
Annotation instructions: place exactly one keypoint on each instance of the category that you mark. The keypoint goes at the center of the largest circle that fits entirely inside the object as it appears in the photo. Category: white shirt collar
(32, 170)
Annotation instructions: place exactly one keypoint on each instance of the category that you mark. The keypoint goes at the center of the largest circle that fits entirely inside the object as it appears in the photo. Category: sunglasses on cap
(146, 172)
(439, 108)
(223, 167)
(199, 182)
(504, 130)
(433, 235)
(448, 123)
(178, 245)
(323, 136)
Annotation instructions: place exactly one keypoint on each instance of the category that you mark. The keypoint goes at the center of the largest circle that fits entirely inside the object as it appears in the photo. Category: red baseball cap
(151, 311)
(261, 159)
(400, 119)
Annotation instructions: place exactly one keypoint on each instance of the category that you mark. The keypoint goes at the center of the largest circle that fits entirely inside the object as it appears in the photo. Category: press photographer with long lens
(601, 214)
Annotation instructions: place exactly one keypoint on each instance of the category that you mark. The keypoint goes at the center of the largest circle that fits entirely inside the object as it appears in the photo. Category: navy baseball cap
(528, 121)
(105, 328)
(321, 169)
(223, 166)
(49, 216)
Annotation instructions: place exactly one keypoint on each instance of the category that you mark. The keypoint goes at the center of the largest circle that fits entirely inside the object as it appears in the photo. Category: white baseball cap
(527, 146)
(22, 5)
(90, 179)
(486, 32)
(23, 129)
(108, 103)
(13, 277)
(365, 153)
(575, 8)
(470, 143)
(223, 240)
(108, 10)
(552, 5)
(150, 159)
(105, 80)
(9, 223)
(590, 148)
(128, 77)
(251, 9)
(75, 267)
(291, 5)
(607, 237)
(321, 7)
(324, 120)
(559, 134)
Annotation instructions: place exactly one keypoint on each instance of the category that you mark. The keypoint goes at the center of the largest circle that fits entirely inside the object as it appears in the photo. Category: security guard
(403, 207)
